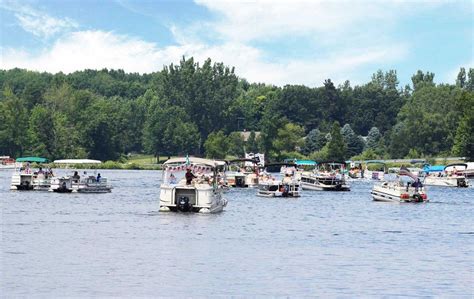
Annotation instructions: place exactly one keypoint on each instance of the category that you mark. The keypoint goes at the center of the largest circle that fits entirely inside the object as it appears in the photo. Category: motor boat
(376, 174)
(88, 184)
(246, 174)
(279, 188)
(329, 176)
(25, 179)
(197, 191)
(407, 188)
(324, 182)
(453, 175)
(8, 163)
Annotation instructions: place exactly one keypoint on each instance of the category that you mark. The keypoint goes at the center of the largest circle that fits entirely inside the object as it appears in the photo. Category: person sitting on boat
(40, 171)
(189, 177)
(76, 177)
(173, 179)
(98, 178)
(454, 172)
(287, 178)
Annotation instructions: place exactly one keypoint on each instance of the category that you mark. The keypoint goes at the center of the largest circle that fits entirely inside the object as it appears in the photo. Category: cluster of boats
(26, 179)
(192, 184)
(203, 192)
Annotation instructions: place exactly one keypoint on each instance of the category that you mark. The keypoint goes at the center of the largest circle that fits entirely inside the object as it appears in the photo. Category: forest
(202, 108)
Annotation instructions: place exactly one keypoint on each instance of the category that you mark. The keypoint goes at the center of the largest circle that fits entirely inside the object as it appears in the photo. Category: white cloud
(98, 49)
(265, 19)
(452, 75)
(343, 46)
(37, 22)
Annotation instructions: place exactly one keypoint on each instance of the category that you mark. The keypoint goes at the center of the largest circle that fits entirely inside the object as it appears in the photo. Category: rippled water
(326, 244)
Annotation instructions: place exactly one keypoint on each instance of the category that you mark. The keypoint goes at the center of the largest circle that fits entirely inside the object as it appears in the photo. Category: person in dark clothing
(189, 177)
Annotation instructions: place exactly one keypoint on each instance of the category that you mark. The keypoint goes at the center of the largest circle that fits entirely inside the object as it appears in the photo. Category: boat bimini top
(192, 161)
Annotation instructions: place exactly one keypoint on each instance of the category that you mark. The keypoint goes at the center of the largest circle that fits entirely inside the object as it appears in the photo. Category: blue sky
(278, 42)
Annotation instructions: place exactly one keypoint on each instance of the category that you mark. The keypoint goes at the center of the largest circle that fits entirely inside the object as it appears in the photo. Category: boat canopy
(194, 161)
(456, 164)
(433, 168)
(305, 162)
(242, 160)
(77, 161)
(332, 162)
(32, 159)
(375, 161)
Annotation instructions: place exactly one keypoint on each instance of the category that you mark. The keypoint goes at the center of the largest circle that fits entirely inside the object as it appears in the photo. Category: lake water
(322, 244)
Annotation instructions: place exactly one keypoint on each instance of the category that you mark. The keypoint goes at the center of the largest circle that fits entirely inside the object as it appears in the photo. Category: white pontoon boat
(453, 175)
(87, 184)
(197, 191)
(329, 176)
(25, 178)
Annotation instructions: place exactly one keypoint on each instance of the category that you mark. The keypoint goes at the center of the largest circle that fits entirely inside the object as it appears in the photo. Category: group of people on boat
(76, 177)
(47, 173)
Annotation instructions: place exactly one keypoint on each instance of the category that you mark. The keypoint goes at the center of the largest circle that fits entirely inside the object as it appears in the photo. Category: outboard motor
(462, 183)
(417, 198)
(239, 182)
(183, 204)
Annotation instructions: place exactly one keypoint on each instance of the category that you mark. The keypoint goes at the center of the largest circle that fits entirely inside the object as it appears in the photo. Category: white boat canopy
(195, 161)
(76, 161)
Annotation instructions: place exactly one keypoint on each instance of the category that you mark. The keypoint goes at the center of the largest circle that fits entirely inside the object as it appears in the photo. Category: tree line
(200, 109)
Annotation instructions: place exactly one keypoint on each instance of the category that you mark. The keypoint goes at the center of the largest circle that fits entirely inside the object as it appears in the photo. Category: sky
(275, 42)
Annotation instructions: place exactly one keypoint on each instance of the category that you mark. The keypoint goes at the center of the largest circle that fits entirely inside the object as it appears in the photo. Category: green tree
(355, 144)
(236, 144)
(421, 79)
(168, 129)
(289, 138)
(470, 80)
(464, 139)
(314, 141)
(336, 147)
(13, 124)
(41, 132)
(461, 79)
(252, 143)
(216, 145)
(373, 138)
(428, 121)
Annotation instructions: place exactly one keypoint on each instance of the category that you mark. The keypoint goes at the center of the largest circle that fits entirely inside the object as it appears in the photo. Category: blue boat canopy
(433, 168)
(305, 162)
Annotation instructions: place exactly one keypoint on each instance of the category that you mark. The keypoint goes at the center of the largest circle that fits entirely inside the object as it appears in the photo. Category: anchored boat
(453, 175)
(329, 176)
(243, 173)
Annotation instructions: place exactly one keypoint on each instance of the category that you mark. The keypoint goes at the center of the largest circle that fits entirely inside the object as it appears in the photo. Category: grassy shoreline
(149, 162)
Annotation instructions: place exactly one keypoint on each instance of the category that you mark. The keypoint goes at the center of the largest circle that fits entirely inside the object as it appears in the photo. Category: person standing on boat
(76, 176)
(98, 178)
(189, 177)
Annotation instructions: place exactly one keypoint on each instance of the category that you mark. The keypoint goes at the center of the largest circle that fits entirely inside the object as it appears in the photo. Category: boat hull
(446, 181)
(201, 198)
(392, 193)
(323, 183)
